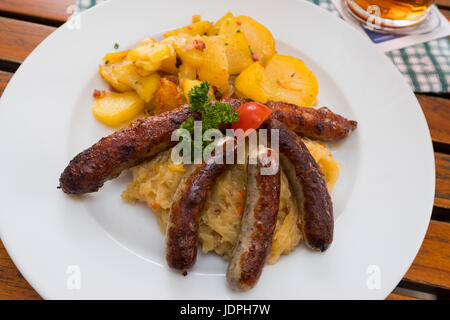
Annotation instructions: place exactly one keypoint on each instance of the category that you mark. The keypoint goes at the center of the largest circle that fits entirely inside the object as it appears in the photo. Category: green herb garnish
(213, 114)
(251, 51)
(226, 43)
(107, 61)
(116, 46)
(238, 31)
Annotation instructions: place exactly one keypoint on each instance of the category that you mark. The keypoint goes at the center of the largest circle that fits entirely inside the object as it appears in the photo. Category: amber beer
(400, 13)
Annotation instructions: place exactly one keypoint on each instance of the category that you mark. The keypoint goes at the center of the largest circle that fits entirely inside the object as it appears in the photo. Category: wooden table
(25, 23)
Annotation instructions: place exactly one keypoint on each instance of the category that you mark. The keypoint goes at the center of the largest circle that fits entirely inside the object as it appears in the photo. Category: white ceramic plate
(383, 198)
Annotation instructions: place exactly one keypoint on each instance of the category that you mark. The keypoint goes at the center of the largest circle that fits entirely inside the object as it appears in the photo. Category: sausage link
(106, 159)
(258, 223)
(309, 188)
(189, 200)
(321, 124)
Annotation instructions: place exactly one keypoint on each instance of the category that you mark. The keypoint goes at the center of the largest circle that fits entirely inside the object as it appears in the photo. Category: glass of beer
(389, 14)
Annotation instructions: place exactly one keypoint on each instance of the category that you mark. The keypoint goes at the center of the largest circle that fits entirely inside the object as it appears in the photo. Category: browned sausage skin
(106, 159)
(140, 141)
(321, 124)
(308, 186)
(188, 203)
(258, 223)
(143, 139)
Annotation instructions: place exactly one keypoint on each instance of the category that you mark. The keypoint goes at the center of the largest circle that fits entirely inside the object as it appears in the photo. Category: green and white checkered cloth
(426, 67)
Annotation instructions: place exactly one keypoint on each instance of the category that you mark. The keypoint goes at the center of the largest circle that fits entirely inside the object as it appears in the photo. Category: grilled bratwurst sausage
(143, 139)
(321, 124)
(106, 159)
(258, 223)
(188, 203)
(309, 187)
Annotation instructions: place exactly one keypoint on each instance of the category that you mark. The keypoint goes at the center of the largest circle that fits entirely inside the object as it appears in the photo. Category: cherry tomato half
(251, 115)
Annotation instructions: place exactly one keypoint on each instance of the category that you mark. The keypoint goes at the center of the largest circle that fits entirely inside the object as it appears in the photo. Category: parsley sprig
(213, 113)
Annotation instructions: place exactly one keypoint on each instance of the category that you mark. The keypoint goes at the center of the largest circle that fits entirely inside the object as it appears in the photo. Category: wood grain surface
(4, 79)
(432, 264)
(19, 38)
(437, 113)
(442, 197)
(13, 285)
(443, 3)
(396, 296)
(56, 10)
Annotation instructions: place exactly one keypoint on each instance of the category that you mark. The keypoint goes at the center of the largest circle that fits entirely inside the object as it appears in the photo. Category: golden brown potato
(252, 83)
(196, 28)
(291, 81)
(168, 96)
(259, 37)
(284, 79)
(113, 108)
(187, 72)
(149, 55)
(327, 164)
(190, 49)
(196, 18)
(238, 52)
(214, 67)
(176, 44)
(113, 70)
(146, 87)
(123, 76)
(115, 56)
(214, 30)
(201, 56)
(169, 65)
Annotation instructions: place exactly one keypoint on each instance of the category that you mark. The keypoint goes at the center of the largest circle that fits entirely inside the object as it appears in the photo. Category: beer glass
(389, 14)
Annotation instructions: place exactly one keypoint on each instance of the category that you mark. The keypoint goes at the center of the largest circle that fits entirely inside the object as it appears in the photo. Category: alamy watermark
(374, 19)
(235, 147)
(373, 281)
(73, 281)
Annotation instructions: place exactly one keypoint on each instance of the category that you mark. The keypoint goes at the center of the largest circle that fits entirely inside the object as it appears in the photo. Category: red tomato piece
(251, 115)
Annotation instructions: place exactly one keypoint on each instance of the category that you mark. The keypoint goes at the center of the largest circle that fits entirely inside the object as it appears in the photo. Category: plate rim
(92, 11)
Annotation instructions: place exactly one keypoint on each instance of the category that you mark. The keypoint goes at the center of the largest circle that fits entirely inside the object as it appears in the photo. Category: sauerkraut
(156, 181)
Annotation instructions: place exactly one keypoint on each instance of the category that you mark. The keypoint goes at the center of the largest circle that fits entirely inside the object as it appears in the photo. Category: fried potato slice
(191, 50)
(196, 28)
(113, 68)
(238, 52)
(284, 79)
(214, 66)
(258, 36)
(146, 87)
(187, 72)
(291, 81)
(122, 75)
(206, 55)
(168, 96)
(252, 83)
(149, 55)
(115, 56)
(113, 108)
(215, 29)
